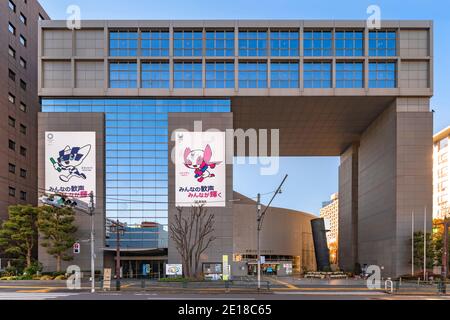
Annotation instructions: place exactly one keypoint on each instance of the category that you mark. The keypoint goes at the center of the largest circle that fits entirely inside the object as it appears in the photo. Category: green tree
(18, 235)
(56, 228)
(438, 240)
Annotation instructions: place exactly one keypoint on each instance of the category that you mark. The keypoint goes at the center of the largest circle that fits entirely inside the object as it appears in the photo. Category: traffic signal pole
(91, 213)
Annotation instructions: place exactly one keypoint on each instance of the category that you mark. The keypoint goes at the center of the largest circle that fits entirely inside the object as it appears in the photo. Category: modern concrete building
(330, 213)
(332, 88)
(19, 102)
(441, 166)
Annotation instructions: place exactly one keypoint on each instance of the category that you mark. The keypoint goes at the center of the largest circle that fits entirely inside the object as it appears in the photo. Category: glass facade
(155, 74)
(123, 43)
(219, 43)
(349, 43)
(253, 43)
(220, 74)
(284, 43)
(382, 43)
(123, 74)
(155, 43)
(317, 44)
(317, 75)
(284, 75)
(187, 74)
(252, 75)
(136, 150)
(382, 75)
(188, 43)
(349, 75)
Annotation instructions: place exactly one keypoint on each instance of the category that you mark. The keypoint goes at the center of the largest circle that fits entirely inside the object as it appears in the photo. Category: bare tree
(192, 234)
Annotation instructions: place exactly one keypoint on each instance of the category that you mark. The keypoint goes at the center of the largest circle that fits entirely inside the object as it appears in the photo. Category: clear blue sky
(311, 180)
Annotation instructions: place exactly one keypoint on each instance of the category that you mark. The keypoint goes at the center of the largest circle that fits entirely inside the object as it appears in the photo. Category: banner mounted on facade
(70, 163)
(200, 169)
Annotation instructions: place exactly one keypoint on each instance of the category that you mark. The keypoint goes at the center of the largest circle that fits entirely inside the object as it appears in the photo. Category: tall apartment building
(441, 167)
(330, 213)
(19, 102)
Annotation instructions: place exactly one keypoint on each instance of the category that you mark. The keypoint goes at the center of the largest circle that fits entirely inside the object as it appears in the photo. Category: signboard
(70, 163)
(145, 269)
(226, 268)
(106, 278)
(262, 259)
(200, 169)
(76, 248)
(174, 270)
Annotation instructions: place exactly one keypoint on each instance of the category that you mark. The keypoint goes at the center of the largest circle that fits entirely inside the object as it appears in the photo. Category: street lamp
(259, 221)
(119, 229)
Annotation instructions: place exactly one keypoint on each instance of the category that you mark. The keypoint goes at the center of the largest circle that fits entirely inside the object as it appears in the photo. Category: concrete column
(394, 178)
(348, 209)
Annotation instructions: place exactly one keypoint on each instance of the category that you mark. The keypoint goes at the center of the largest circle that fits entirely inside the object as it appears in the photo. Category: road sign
(76, 248)
(106, 279)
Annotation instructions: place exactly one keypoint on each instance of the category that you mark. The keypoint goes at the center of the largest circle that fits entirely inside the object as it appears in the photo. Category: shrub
(35, 267)
(46, 278)
(60, 277)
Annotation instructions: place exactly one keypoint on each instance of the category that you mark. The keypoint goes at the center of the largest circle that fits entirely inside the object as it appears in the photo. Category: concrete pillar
(394, 178)
(348, 209)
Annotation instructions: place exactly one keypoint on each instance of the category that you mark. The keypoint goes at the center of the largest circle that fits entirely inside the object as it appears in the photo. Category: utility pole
(118, 229)
(258, 254)
(412, 243)
(445, 239)
(425, 244)
(259, 221)
(91, 213)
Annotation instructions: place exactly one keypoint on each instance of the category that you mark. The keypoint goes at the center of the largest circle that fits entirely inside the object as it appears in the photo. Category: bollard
(143, 283)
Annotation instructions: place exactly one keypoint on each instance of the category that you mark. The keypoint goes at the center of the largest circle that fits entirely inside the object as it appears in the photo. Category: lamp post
(445, 239)
(91, 213)
(118, 229)
(259, 223)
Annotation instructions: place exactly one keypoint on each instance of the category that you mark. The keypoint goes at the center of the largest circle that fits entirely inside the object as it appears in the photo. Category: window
(23, 151)
(317, 75)
(123, 75)
(11, 52)
(23, 195)
(219, 43)
(253, 75)
(155, 43)
(382, 43)
(11, 28)
(23, 84)
(12, 191)
(253, 43)
(220, 74)
(23, 107)
(317, 43)
(123, 43)
(349, 43)
(188, 43)
(188, 74)
(382, 75)
(23, 129)
(12, 168)
(12, 5)
(155, 74)
(443, 143)
(284, 43)
(349, 75)
(11, 75)
(23, 173)
(284, 75)
(23, 63)
(23, 40)
(11, 122)
(11, 145)
(23, 18)
(11, 98)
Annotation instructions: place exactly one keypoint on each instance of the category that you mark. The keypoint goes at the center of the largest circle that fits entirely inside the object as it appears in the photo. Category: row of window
(12, 169)
(12, 123)
(190, 43)
(12, 193)
(189, 74)
(12, 146)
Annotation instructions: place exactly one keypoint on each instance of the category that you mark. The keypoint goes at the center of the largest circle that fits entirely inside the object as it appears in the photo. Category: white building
(441, 190)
